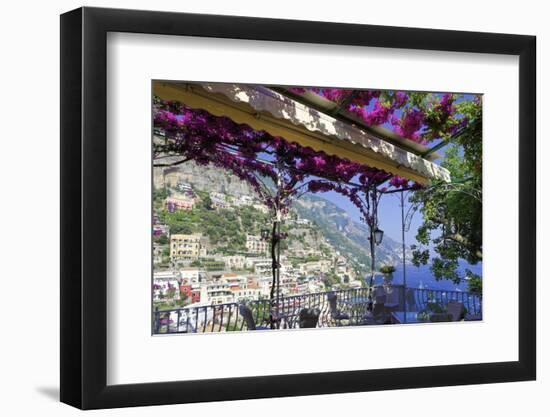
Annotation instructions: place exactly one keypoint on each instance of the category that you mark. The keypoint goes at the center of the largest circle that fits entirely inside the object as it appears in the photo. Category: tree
(207, 202)
(452, 212)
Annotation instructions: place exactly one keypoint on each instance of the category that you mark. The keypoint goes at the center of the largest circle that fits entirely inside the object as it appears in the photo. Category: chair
(308, 318)
(376, 314)
(246, 313)
(378, 307)
(456, 310)
(336, 314)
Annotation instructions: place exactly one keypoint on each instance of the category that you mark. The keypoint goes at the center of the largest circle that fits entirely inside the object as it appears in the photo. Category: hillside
(314, 224)
(345, 234)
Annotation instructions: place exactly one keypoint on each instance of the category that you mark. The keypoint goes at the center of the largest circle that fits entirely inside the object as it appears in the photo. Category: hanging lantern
(378, 235)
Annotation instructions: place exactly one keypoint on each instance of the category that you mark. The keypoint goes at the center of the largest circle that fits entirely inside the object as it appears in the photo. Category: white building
(216, 293)
(157, 254)
(264, 284)
(166, 275)
(192, 275)
(234, 280)
(262, 269)
(185, 188)
(250, 261)
(243, 200)
(235, 262)
(218, 200)
(255, 244)
(241, 294)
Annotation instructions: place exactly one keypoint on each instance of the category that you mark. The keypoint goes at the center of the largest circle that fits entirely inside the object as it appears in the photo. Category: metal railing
(423, 296)
(352, 303)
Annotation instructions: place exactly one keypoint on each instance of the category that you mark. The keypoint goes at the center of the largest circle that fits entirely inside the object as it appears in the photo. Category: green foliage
(452, 212)
(474, 283)
(207, 202)
(160, 194)
(225, 228)
(330, 280)
(387, 269)
(325, 250)
(296, 260)
(208, 264)
(432, 307)
(162, 240)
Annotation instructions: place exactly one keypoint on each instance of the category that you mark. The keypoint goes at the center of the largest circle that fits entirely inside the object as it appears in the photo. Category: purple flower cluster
(404, 115)
(458, 126)
(254, 155)
(332, 94)
(446, 104)
(398, 182)
(410, 124)
(375, 117)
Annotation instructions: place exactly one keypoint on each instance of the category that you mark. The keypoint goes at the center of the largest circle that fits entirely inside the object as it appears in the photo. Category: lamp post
(375, 239)
(274, 236)
(275, 293)
(375, 234)
(404, 254)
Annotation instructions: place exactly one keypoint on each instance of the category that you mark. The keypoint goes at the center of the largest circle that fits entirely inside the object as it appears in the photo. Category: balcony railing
(352, 303)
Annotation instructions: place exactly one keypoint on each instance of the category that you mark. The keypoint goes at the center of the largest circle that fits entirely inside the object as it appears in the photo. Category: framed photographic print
(257, 208)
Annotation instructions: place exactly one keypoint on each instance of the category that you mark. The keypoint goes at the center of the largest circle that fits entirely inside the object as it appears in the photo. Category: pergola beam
(218, 104)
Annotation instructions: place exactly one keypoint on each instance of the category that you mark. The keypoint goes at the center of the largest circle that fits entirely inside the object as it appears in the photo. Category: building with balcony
(157, 253)
(218, 200)
(235, 262)
(315, 267)
(185, 247)
(216, 293)
(255, 244)
(192, 275)
(176, 203)
(185, 188)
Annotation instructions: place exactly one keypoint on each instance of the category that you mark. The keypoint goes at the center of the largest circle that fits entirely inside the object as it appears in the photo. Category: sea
(422, 277)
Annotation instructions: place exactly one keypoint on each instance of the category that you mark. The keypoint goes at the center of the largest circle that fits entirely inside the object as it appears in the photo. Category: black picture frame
(84, 207)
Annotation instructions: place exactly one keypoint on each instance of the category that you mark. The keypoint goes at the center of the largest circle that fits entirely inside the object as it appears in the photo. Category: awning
(265, 109)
